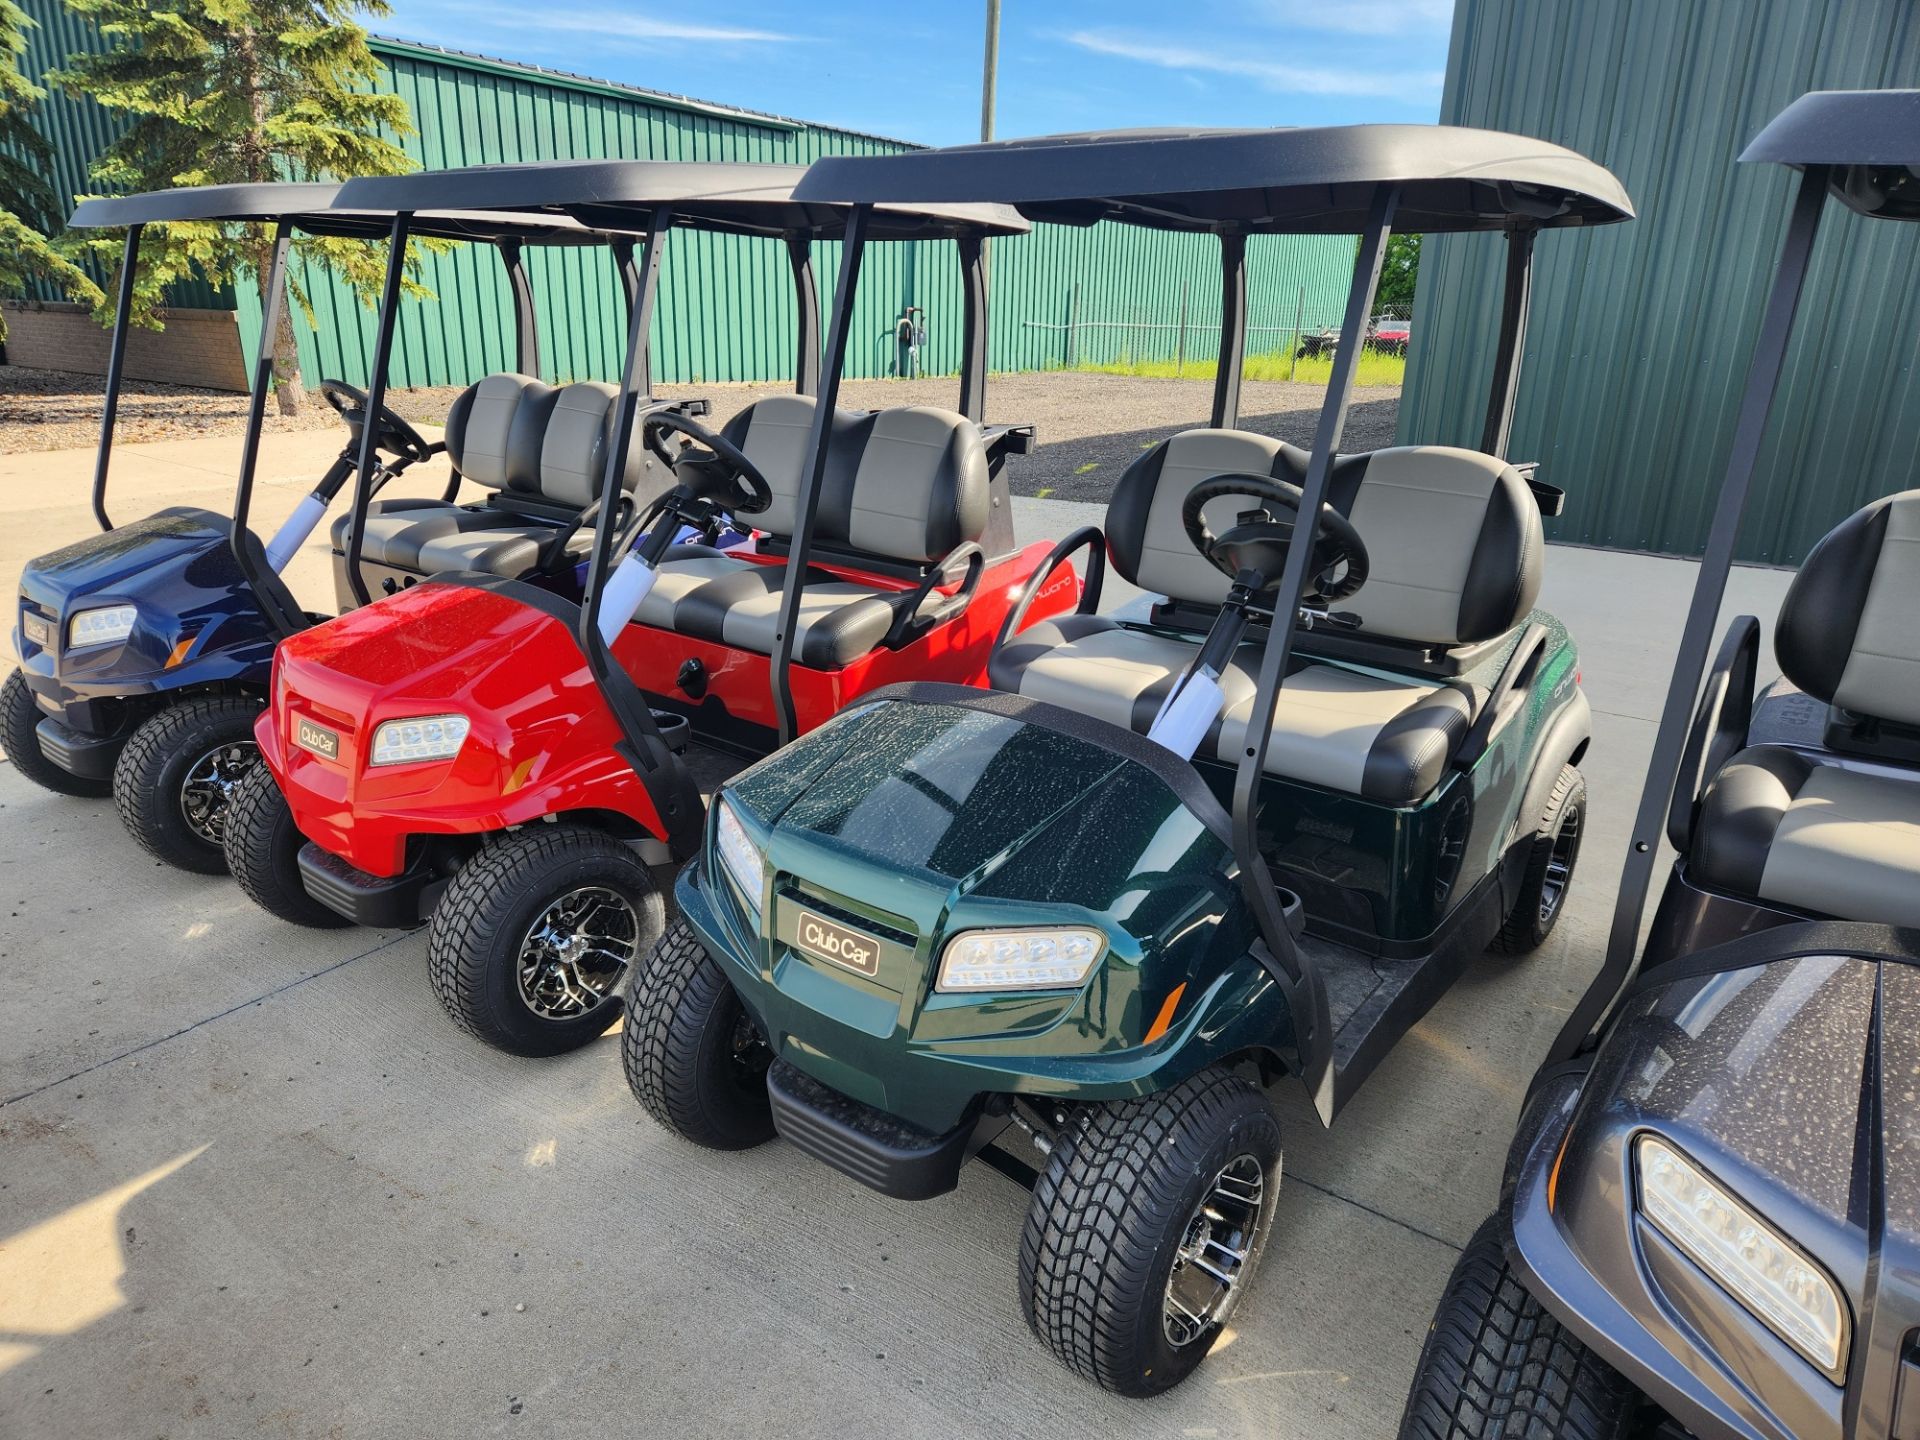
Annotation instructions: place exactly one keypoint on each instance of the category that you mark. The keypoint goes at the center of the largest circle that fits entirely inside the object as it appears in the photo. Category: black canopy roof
(1318, 180)
(741, 199)
(1871, 138)
(310, 206)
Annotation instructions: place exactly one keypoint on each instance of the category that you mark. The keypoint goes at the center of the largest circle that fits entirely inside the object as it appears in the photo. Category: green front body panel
(914, 822)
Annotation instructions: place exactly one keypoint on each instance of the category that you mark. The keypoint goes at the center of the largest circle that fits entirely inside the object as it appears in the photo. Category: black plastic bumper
(91, 757)
(380, 902)
(875, 1148)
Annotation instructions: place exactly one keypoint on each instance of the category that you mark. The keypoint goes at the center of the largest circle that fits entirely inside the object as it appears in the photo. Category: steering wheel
(395, 434)
(744, 492)
(1257, 547)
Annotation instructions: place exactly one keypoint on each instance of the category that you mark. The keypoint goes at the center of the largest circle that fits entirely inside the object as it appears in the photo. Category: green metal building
(1059, 296)
(1641, 333)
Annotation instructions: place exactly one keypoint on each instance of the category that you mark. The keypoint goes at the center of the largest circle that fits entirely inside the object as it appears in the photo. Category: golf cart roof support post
(272, 303)
(853, 245)
(1514, 306)
(973, 333)
(526, 324)
(1703, 614)
(1233, 330)
(116, 362)
(638, 281)
(806, 301)
(368, 464)
(633, 386)
(1313, 1032)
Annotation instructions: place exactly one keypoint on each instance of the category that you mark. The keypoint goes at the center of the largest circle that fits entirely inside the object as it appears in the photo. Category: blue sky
(912, 70)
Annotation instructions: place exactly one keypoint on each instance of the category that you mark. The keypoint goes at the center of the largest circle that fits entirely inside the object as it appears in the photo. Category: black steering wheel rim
(748, 493)
(1336, 542)
(394, 434)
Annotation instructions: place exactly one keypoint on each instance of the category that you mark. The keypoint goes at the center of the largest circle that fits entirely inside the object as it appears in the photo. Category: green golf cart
(1250, 826)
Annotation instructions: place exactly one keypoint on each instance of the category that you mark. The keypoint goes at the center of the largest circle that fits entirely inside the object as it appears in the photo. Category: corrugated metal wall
(1642, 332)
(725, 307)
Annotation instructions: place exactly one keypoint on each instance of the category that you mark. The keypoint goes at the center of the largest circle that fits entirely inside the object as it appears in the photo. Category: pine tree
(239, 91)
(29, 211)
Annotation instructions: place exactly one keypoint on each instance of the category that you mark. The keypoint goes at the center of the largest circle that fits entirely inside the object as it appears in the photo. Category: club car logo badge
(835, 943)
(318, 739)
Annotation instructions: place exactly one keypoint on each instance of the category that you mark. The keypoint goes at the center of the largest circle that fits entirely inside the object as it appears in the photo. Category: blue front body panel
(177, 570)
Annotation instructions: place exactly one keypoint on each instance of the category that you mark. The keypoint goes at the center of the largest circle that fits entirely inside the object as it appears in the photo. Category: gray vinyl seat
(1456, 551)
(539, 448)
(1819, 830)
(903, 488)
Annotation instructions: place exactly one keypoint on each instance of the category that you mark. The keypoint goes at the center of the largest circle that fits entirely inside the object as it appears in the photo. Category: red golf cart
(509, 767)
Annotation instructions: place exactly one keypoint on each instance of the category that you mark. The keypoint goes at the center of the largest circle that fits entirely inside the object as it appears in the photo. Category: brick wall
(198, 347)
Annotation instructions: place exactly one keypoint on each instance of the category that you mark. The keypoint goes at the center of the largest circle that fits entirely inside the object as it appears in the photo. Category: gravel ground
(1090, 426)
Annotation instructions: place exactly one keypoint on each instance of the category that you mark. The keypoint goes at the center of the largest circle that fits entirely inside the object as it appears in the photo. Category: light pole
(989, 80)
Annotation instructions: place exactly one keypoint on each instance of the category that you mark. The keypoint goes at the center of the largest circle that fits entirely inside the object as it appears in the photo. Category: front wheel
(262, 846)
(692, 1054)
(1498, 1365)
(531, 941)
(1554, 851)
(19, 737)
(175, 780)
(1146, 1227)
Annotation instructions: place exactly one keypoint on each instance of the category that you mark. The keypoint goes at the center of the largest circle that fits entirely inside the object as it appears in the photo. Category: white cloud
(1361, 17)
(621, 25)
(619, 28)
(1384, 81)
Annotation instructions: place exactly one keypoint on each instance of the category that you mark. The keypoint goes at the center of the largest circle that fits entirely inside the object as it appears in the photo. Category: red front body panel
(542, 737)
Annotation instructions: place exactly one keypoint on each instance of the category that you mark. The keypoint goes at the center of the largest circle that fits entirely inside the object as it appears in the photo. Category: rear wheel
(1497, 1365)
(692, 1054)
(262, 846)
(530, 945)
(1146, 1227)
(176, 778)
(19, 720)
(1549, 873)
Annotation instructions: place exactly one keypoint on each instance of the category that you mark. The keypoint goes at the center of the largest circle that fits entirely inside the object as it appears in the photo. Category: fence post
(1073, 327)
(1180, 345)
(1299, 309)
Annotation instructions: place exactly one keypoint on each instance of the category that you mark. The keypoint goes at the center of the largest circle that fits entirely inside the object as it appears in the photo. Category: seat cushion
(1802, 829)
(508, 550)
(396, 529)
(1384, 739)
(708, 596)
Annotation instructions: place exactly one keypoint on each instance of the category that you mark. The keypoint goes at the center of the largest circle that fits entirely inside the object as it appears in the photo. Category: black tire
(168, 753)
(1495, 1364)
(1122, 1187)
(1550, 865)
(692, 1056)
(263, 848)
(19, 719)
(487, 914)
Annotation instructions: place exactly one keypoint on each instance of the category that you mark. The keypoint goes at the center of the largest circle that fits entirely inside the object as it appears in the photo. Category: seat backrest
(1145, 537)
(1847, 632)
(906, 484)
(1454, 546)
(494, 429)
(573, 449)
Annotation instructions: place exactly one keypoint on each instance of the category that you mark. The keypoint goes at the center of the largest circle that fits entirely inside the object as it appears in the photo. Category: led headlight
(102, 625)
(1050, 959)
(739, 854)
(1783, 1289)
(430, 737)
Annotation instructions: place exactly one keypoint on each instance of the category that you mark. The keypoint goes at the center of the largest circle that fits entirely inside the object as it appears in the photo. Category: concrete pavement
(253, 1182)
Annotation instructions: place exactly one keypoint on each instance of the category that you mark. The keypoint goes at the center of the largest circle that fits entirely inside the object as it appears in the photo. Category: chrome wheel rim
(1553, 885)
(576, 952)
(207, 791)
(1217, 1251)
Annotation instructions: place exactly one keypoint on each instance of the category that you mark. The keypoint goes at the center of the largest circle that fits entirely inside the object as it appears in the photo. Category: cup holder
(676, 730)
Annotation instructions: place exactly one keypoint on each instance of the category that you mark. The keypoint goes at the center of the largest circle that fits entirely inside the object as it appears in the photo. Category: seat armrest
(909, 624)
(1508, 698)
(553, 551)
(1720, 725)
(1088, 538)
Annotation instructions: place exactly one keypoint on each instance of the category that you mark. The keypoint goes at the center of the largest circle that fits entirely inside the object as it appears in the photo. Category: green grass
(1375, 368)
